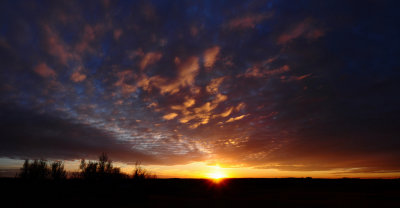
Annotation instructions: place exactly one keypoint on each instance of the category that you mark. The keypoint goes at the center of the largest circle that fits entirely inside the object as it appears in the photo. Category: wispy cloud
(304, 28)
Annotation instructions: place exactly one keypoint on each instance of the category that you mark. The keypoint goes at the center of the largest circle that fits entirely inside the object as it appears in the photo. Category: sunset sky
(263, 88)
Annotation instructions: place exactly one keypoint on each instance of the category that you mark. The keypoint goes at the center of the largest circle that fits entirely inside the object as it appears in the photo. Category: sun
(217, 174)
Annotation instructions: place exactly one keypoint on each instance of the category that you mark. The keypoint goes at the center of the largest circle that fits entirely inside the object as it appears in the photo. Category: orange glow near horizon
(218, 172)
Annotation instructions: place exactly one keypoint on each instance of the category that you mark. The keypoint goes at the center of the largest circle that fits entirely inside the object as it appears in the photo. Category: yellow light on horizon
(217, 174)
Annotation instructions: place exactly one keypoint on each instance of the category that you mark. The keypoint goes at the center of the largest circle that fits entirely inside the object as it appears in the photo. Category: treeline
(102, 169)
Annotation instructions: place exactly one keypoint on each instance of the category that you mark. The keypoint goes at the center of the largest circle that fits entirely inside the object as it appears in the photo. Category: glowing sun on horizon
(217, 174)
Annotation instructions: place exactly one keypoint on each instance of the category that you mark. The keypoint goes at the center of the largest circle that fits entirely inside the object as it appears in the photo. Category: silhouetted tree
(103, 169)
(140, 173)
(37, 170)
(57, 170)
(93, 170)
(24, 170)
(105, 166)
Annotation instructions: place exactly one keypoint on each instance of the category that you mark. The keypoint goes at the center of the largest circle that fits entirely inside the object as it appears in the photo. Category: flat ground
(203, 193)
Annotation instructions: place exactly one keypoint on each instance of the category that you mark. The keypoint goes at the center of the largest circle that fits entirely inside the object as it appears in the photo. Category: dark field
(203, 193)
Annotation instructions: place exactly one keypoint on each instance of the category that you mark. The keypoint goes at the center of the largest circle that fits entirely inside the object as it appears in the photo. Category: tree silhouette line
(102, 169)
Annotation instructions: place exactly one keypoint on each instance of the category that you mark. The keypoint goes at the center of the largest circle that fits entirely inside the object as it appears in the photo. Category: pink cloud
(117, 33)
(89, 34)
(316, 33)
(304, 28)
(194, 31)
(280, 70)
(295, 78)
(249, 21)
(259, 73)
(56, 47)
(44, 71)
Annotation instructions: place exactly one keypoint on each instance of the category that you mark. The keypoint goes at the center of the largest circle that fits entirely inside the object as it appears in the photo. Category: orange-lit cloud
(240, 106)
(150, 58)
(78, 77)
(187, 71)
(204, 113)
(124, 81)
(226, 113)
(170, 116)
(235, 118)
(189, 102)
(210, 56)
(213, 86)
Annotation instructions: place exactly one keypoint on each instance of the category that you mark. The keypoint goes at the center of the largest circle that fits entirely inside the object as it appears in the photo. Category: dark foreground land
(202, 193)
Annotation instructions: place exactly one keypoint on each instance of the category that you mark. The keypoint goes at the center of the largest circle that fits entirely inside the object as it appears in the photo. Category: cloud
(55, 45)
(170, 116)
(27, 134)
(210, 56)
(226, 113)
(240, 106)
(248, 21)
(258, 72)
(90, 33)
(235, 118)
(187, 71)
(78, 77)
(125, 79)
(150, 58)
(189, 102)
(304, 28)
(201, 115)
(117, 33)
(214, 84)
(295, 78)
(44, 71)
